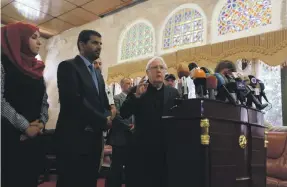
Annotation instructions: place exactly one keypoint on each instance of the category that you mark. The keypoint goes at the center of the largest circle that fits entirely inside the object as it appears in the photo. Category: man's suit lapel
(83, 70)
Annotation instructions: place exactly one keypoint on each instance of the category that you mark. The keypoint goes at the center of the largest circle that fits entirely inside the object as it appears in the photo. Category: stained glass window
(138, 41)
(271, 77)
(239, 15)
(183, 28)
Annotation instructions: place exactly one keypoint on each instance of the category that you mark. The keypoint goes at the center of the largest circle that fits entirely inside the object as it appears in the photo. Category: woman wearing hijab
(24, 107)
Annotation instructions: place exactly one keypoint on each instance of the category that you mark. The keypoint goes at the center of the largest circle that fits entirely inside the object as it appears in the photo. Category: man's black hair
(225, 64)
(85, 36)
(169, 76)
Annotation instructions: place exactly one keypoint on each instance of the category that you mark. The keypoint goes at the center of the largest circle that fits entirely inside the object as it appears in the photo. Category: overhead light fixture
(26, 12)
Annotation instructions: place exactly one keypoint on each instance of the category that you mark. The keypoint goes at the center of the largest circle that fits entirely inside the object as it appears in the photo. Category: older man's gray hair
(154, 59)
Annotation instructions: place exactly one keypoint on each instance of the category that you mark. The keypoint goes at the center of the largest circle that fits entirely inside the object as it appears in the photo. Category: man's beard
(93, 56)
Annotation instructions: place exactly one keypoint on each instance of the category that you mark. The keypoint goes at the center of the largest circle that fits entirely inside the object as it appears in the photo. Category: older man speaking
(146, 164)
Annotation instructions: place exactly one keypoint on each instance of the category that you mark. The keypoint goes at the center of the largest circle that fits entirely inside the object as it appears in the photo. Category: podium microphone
(223, 92)
(207, 71)
(250, 96)
(253, 81)
(211, 85)
(262, 88)
(183, 72)
(232, 87)
(199, 80)
(240, 89)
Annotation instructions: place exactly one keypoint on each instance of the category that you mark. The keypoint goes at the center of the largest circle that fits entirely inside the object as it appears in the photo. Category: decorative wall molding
(271, 48)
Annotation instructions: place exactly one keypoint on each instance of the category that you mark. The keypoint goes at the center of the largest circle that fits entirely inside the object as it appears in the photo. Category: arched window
(184, 27)
(137, 41)
(241, 18)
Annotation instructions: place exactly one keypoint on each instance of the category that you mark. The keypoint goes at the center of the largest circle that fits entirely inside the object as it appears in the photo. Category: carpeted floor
(101, 183)
(52, 183)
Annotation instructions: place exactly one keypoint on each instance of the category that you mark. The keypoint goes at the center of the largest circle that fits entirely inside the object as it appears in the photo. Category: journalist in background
(119, 137)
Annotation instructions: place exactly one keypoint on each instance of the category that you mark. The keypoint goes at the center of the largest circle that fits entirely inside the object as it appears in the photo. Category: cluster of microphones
(232, 87)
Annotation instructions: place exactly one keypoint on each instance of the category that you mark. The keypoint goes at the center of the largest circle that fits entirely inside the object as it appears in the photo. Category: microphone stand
(199, 92)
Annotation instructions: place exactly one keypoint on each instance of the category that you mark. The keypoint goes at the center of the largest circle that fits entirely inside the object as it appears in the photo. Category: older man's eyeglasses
(161, 68)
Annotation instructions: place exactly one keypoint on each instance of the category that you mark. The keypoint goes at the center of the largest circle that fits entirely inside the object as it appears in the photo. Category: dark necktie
(94, 76)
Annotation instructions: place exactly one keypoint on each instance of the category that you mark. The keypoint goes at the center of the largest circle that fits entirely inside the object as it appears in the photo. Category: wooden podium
(214, 144)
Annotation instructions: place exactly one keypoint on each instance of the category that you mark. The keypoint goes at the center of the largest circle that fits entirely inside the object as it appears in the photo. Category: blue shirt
(87, 63)
(93, 73)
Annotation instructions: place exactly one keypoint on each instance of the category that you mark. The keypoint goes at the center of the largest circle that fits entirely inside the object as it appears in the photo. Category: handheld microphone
(199, 80)
(211, 85)
(223, 92)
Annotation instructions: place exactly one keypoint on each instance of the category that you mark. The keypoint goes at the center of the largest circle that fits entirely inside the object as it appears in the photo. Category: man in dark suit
(83, 115)
(119, 137)
(146, 164)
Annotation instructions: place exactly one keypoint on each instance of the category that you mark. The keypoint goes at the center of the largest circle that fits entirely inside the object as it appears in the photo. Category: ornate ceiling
(56, 16)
